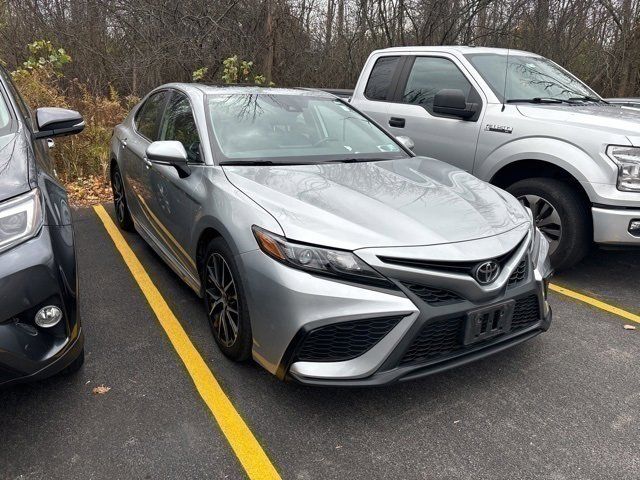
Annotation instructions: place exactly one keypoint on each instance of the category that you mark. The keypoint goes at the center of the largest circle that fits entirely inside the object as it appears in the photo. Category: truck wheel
(561, 215)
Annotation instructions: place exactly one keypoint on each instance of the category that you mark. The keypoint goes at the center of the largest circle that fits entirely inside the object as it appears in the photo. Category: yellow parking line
(242, 441)
(596, 303)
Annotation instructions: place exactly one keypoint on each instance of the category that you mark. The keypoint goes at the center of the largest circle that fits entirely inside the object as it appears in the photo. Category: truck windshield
(529, 78)
(281, 128)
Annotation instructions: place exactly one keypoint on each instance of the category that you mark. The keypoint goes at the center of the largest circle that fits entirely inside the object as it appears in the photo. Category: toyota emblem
(487, 272)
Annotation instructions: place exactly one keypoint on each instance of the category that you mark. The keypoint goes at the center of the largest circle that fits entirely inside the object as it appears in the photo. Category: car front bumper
(611, 225)
(37, 273)
(288, 307)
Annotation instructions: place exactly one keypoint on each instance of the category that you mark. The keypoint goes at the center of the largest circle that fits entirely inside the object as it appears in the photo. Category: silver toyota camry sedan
(321, 246)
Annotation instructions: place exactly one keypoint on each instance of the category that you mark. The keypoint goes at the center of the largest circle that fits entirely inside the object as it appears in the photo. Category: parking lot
(562, 406)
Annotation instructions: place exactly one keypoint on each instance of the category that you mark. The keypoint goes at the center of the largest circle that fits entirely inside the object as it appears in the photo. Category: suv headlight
(628, 161)
(323, 261)
(20, 219)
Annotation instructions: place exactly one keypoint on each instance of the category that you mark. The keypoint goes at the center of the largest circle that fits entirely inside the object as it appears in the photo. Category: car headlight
(628, 161)
(323, 261)
(20, 219)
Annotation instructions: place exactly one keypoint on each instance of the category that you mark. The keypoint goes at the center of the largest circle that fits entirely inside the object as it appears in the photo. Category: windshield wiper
(246, 162)
(540, 100)
(357, 160)
(588, 98)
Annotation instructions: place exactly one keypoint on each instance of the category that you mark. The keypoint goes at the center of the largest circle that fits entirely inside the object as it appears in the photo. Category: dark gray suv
(40, 333)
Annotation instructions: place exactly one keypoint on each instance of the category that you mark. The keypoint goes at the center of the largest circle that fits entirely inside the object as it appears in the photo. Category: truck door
(445, 138)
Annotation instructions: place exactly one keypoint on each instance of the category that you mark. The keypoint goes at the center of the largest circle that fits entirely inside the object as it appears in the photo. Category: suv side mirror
(453, 102)
(56, 122)
(169, 152)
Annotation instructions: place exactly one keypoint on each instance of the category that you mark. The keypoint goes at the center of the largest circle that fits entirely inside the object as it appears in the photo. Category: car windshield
(282, 128)
(529, 78)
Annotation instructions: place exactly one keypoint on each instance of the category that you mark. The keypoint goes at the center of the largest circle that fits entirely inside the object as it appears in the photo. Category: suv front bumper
(611, 225)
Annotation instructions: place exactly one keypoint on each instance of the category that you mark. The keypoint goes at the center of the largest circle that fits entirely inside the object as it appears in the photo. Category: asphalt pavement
(562, 406)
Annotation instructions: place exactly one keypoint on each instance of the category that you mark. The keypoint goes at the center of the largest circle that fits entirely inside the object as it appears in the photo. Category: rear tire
(123, 216)
(570, 235)
(225, 302)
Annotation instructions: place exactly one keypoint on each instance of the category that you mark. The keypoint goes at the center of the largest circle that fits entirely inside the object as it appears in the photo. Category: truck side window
(379, 82)
(428, 76)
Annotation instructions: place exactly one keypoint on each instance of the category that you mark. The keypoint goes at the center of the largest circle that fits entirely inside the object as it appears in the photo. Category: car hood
(408, 202)
(601, 117)
(14, 169)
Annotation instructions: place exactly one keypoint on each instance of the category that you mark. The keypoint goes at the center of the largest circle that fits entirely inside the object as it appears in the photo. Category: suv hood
(607, 118)
(408, 202)
(14, 168)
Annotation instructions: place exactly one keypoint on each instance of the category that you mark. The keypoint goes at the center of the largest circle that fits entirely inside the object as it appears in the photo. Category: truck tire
(562, 216)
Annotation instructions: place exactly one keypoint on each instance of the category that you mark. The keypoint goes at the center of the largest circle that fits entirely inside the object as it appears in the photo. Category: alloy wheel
(222, 300)
(546, 217)
(118, 196)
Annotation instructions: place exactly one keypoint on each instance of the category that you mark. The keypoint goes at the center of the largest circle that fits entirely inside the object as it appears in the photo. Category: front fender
(570, 157)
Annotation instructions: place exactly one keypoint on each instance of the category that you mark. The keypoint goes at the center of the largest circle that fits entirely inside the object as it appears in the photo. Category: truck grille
(434, 296)
(443, 337)
(344, 341)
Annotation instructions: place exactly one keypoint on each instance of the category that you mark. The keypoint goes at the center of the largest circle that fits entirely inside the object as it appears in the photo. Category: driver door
(175, 201)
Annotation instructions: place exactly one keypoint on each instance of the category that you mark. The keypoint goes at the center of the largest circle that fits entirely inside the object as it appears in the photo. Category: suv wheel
(560, 214)
(120, 200)
(225, 302)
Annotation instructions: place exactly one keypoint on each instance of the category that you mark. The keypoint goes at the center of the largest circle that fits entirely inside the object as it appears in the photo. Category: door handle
(148, 163)
(396, 122)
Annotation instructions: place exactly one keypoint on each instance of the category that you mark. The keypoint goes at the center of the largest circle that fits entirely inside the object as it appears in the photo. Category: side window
(428, 76)
(379, 83)
(148, 117)
(22, 105)
(178, 124)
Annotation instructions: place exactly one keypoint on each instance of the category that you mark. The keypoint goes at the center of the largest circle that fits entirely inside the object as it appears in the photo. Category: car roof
(236, 89)
(460, 49)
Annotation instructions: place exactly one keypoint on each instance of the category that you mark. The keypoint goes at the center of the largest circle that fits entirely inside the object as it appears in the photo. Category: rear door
(134, 161)
(410, 113)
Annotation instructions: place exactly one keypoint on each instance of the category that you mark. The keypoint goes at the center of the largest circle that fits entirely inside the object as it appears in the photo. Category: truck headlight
(20, 219)
(628, 161)
(319, 260)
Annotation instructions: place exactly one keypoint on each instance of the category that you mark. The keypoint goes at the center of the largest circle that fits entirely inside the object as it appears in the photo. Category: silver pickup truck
(519, 121)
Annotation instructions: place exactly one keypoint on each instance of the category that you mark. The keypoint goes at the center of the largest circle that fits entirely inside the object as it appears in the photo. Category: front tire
(225, 302)
(561, 215)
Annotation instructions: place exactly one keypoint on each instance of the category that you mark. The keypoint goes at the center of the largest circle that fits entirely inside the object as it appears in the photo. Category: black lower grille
(444, 337)
(435, 340)
(526, 312)
(344, 341)
(519, 274)
(434, 296)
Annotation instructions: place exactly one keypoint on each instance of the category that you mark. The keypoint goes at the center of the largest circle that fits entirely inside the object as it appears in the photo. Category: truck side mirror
(453, 102)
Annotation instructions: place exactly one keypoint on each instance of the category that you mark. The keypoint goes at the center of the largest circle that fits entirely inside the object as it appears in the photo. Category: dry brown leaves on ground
(85, 192)
(101, 390)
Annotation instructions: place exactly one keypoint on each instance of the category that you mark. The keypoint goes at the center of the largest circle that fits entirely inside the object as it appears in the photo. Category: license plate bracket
(488, 322)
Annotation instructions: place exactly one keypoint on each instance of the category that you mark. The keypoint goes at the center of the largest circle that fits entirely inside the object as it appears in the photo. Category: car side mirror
(453, 102)
(406, 142)
(57, 122)
(169, 152)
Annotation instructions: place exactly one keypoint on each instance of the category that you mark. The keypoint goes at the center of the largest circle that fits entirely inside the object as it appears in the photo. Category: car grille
(519, 274)
(344, 341)
(443, 337)
(434, 296)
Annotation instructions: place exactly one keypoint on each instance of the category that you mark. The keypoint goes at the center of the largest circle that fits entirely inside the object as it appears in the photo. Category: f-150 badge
(498, 128)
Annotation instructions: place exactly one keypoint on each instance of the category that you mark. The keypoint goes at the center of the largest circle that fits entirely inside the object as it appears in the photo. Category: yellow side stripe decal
(596, 303)
(249, 452)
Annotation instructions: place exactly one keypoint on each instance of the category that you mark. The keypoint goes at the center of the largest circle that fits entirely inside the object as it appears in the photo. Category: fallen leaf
(629, 327)
(101, 390)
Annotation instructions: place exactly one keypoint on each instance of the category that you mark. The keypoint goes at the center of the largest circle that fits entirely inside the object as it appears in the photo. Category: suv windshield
(529, 78)
(280, 128)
